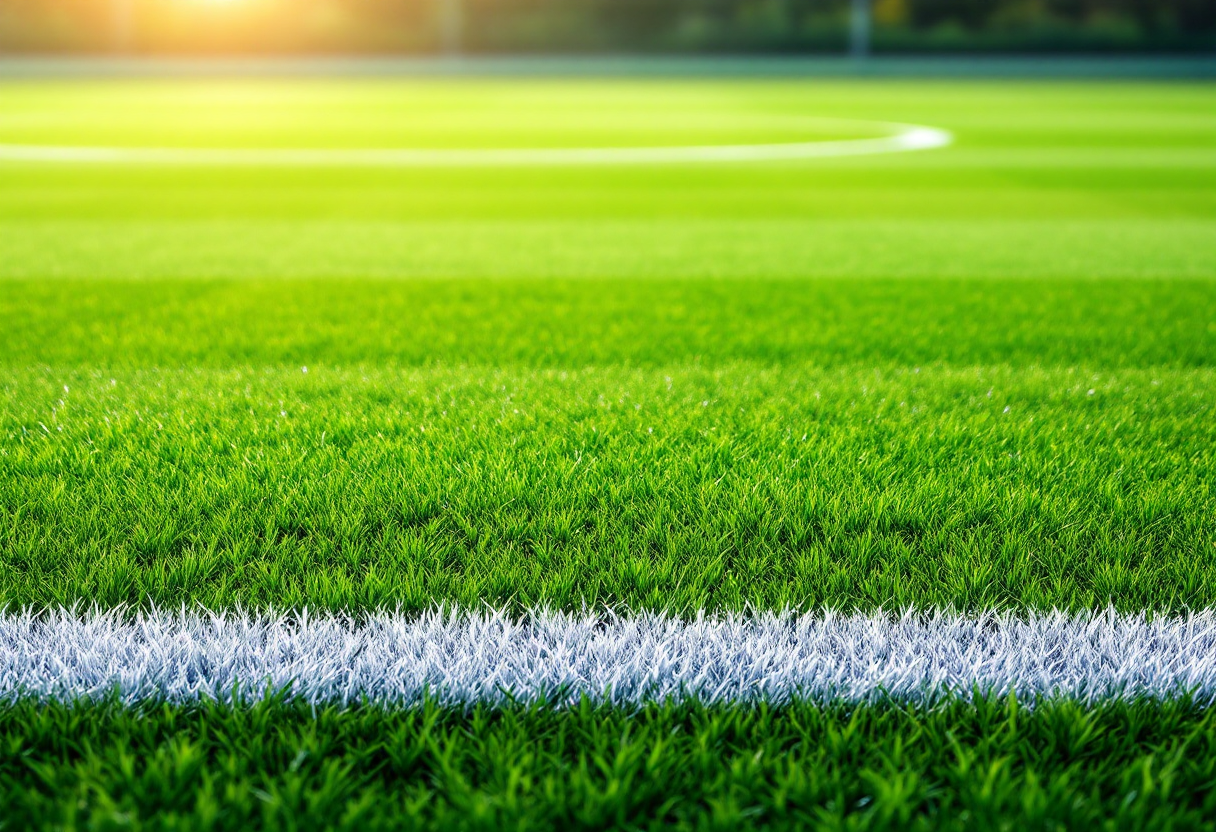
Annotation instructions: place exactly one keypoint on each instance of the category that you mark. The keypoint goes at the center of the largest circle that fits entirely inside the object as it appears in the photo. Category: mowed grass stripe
(960, 765)
(462, 658)
(677, 488)
(948, 249)
(1090, 325)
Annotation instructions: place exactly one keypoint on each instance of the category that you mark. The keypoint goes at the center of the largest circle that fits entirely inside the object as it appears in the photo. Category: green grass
(672, 387)
(981, 377)
(985, 765)
(676, 488)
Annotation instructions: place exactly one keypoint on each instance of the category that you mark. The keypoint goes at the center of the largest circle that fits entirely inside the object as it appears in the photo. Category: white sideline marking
(905, 138)
(461, 657)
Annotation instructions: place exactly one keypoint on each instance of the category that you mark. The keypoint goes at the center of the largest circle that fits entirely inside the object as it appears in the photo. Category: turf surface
(686, 386)
(986, 765)
(978, 377)
(677, 488)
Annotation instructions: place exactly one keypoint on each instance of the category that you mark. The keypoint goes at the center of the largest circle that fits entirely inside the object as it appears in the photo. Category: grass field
(979, 378)
(962, 766)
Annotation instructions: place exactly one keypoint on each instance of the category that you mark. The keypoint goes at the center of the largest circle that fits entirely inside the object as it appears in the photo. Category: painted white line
(906, 137)
(461, 657)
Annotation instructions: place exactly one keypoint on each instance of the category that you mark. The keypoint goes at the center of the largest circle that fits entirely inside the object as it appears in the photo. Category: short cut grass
(980, 377)
(959, 766)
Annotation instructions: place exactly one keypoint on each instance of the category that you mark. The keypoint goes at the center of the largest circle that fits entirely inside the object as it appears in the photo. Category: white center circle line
(907, 137)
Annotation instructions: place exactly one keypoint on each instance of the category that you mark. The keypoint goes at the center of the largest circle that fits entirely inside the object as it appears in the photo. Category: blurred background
(422, 27)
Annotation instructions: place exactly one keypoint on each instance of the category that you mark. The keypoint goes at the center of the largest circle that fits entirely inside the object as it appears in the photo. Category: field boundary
(907, 137)
(462, 657)
(1194, 66)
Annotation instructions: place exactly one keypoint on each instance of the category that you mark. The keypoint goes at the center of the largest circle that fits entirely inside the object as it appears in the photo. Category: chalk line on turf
(906, 137)
(465, 657)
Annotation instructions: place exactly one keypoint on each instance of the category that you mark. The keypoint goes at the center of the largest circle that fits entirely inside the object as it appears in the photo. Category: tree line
(567, 26)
